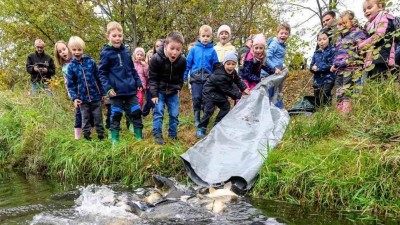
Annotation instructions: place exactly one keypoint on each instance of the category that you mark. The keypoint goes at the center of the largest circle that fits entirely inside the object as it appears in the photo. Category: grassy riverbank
(345, 162)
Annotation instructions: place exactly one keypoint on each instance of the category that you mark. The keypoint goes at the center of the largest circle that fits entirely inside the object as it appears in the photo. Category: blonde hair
(382, 2)
(350, 14)
(59, 61)
(205, 28)
(76, 41)
(284, 26)
(114, 25)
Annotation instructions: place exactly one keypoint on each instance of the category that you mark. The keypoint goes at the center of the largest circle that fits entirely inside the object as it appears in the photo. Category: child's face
(283, 35)
(115, 37)
(323, 41)
(230, 66)
(223, 37)
(63, 52)
(158, 44)
(328, 21)
(205, 37)
(345, 24)
(172, 50)
(77, 52)
(139, 56)
(258, 50)
(371, 8)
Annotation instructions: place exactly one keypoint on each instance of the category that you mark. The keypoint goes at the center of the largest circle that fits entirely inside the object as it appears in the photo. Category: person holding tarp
(223, 82)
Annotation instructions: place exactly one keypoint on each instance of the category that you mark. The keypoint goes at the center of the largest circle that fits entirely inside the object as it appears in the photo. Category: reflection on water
(35, 200)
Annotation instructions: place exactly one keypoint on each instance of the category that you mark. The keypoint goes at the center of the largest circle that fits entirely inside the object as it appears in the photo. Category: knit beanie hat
(259, 39)
(138, 49)
(230, 56)
(224, 28)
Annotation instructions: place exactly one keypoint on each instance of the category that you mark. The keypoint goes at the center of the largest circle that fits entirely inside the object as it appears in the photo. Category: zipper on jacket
(87, 87)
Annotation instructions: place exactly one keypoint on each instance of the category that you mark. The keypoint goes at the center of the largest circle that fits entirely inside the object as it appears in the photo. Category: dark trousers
(88, 110)
(209, 108)
(378, 72)
(323, 94)
(148, 105)
(344, 85)
(197, 95)
(108, 116)
(131, 106)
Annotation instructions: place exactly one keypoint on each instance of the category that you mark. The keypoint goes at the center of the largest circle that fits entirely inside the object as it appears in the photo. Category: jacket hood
(226, 45)
(108, 47)
(209, 45)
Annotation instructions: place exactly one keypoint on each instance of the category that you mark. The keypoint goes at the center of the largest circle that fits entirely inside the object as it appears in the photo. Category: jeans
(37, 86)
(172, 102)
(197, 96)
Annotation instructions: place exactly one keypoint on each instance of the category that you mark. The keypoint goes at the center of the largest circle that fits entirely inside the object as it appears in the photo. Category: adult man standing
(245, 49)
(329, 24)
(40, 66)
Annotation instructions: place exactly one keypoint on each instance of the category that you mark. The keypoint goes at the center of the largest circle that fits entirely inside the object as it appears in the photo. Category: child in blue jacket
(120, 80)
(84, 87)
(320, 66)
(277, 48)
(200, 62)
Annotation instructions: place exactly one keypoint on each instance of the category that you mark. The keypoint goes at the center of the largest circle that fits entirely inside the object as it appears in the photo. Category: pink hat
(138, 49)
(224, 28)
(259, 39)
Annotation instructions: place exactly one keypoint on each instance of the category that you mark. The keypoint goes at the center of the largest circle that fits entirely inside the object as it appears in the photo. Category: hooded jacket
(251, 70)
(165, 77)
(323, 59)
(116, 71)
(275, 54)
(221, 84)
(347, 48)
(83, 82)
(223, 49)
(200, 61)
(378, 28)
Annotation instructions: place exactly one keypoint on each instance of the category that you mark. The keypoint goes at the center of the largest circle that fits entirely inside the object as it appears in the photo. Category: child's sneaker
(340, 106)
(201, 132)
(159, 139)
(87, 137)
(346, 107)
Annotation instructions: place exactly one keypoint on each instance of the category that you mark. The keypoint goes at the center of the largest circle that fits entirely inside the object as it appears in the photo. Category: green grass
(347, 162)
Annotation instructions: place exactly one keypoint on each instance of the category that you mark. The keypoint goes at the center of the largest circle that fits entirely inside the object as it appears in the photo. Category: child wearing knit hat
(142, 68)
(224, 36)
(222, 83)
(254, 61)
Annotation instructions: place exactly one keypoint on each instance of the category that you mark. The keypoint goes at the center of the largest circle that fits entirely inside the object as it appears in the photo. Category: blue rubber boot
(201, 132)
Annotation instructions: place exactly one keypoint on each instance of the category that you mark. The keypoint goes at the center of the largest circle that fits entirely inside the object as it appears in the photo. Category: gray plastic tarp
(238, 145)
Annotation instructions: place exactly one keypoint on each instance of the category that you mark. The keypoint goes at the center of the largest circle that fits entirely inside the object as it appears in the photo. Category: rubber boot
(196, 118)
(114, 136)
(131, 129)
(78, 133)
(201, 132)
(138, 133)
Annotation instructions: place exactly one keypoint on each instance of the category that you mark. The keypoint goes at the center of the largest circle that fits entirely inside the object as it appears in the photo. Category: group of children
(345, 47)
(135, 84)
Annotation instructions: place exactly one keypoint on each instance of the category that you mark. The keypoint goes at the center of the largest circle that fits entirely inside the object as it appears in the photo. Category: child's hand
(143, 63)
(140, 88)
(77, 102)
(112, 93)
(103, 98)
(36, 68)
(277, 71)
(247, 91)
(314, 68)
(333, 69)
(154, 100)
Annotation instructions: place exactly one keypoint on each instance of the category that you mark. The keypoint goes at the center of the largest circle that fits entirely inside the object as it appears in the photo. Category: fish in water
(216, 199)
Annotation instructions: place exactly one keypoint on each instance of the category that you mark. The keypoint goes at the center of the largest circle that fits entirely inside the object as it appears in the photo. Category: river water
(36, 200)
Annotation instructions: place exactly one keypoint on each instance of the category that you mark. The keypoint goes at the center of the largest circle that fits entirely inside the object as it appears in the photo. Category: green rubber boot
(114, 136)
(131, 129)
(138, 133)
